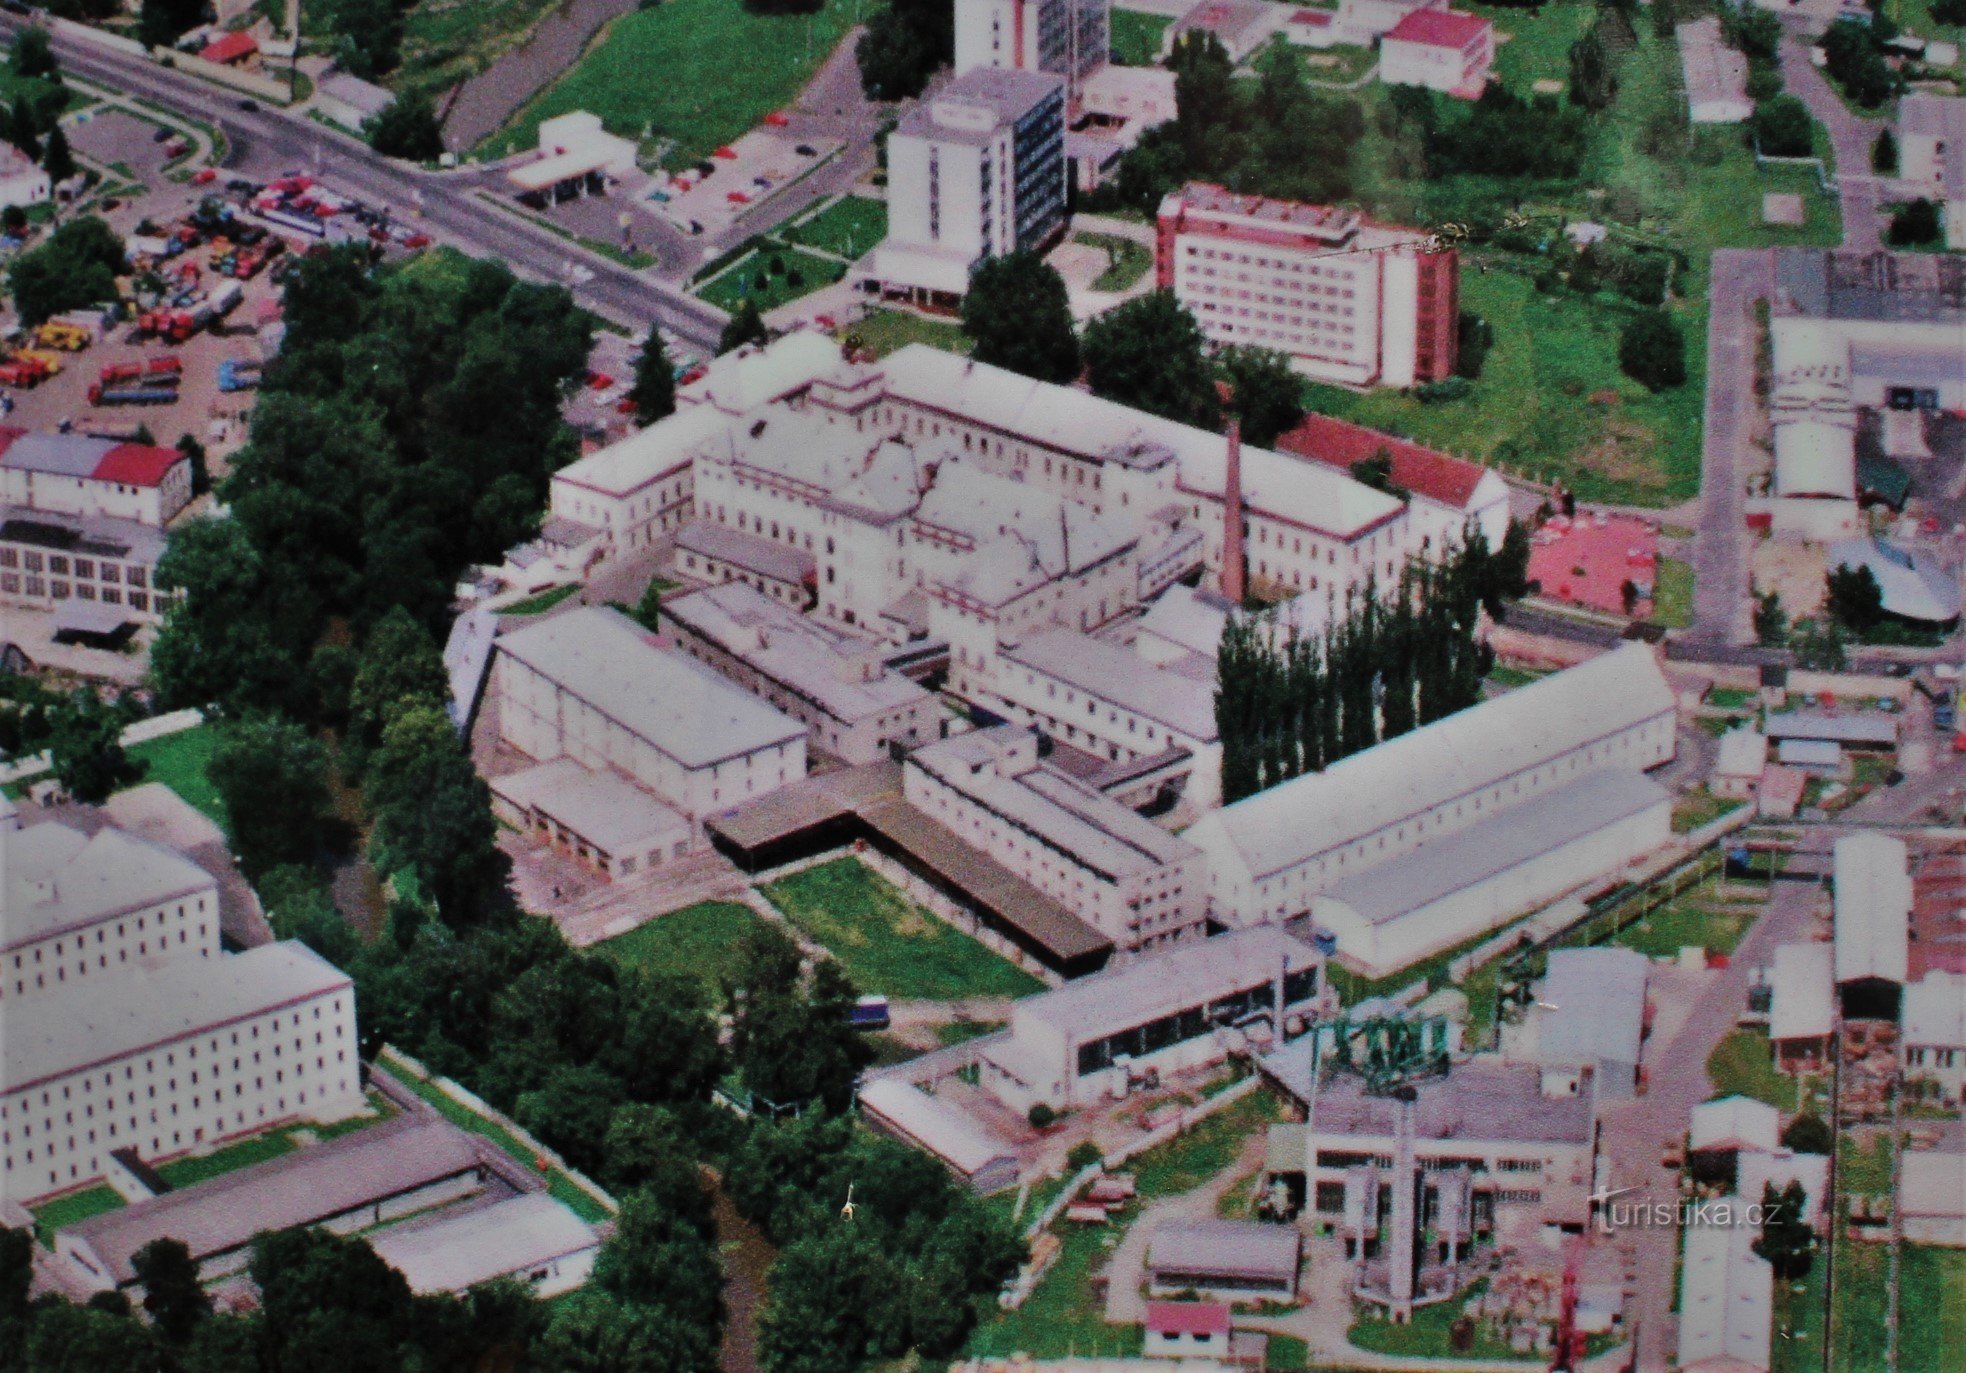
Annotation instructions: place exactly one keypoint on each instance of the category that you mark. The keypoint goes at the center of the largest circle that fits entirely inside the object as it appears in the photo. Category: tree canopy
(1148, 353)
(653, 392)
(905, 43)
(74, 267)
(1018, 316)
(1652, 350)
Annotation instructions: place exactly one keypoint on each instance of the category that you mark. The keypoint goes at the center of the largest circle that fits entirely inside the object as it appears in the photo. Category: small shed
(1228, 1260)
(1743, 757)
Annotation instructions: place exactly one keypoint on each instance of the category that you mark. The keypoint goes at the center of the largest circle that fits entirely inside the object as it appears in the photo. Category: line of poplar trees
(1287, 704)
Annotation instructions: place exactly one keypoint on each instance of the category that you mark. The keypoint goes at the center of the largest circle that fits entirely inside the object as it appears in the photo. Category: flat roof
(674, 703)
(1933, 1011)
(1278, 829)
(843, 676)
(1479, 1100)
(951, 1135)
(1727, 1295)
(768, 558)
(301, 1188)
(1734, 1122)
(1116, 674)
(600, 806)
(648, 454)
(101, 536)
(1804, 1003)
(55, 1037)
(972, 107)
(811, 801)
(1599, 996)
(1085, 824)
(1505, 839)
(1871, 882)
(450, 1253)
(1229, 1248)
(1166, 982)
(58, 879)
(1865, 728)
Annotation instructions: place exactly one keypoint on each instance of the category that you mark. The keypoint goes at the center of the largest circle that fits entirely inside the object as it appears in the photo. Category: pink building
(1354, 302)
(1440, 49)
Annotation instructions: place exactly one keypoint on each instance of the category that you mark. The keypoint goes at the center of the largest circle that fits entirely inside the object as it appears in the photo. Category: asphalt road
(266, 142)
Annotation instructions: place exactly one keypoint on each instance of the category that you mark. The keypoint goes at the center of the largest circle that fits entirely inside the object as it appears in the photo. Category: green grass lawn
(182, 762)
(1533, 45)
(1426, 1335)
(667, 72)
(1931, 1308)
(543, 602)
(1136, 37)
(1695, 919)
(888, 944)
(755, 276)
(445, 41)
(962, 1031)
(1697, 808)
(1189, 1160)
(192, 1169)
(1335, 66)
(1126, 261)
(1800, 1313)
(701, 941)
(73, 1208)
(849, 227)
(1740, 1065)
(1864, 1169)
(1857, 1332)
(1551, 400)
(884, 331)
(1672, 594)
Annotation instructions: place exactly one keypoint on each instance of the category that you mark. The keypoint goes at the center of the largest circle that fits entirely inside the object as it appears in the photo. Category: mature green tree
(407, 128)
(86, 749)
(1771, 621)
(1854, 599)
(648, 610)
(1783, 127)
(905, 43)
(24, 127)
(222, 1344)
(1018, 316)
(300, 906)
(401, 668)
(658, 1257)
(433, 813)
(744, 328)
(572, 1110)
(1884, 153)
(271, 776)
(33, 54)
(1787, 1240)
(1808, 1133)
(1914, 224)
(1208, 113)
(1652, 350)
(790, 1037)
(1474, 337)
(654, 390)
(1265, 392)
(160, 22)
(832, 1302)
(1148, 353)
(1854, 57)
(1819, 644)
(56, 159)
(595, 1332)
(218, 646)
(368, 35)
(78, 1339)
(1593, 78)
(173, 1297)
(76, 266)
(1755, 32)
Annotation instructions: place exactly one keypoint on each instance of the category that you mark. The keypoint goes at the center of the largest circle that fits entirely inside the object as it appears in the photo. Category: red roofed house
(1445, 493)
(73, 474)
(238, 49)
(1187, 1330)
(1440, 49)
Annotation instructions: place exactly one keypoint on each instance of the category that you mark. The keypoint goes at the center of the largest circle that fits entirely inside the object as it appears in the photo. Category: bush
(1764, 82)
(1041, 1116)
(1782, 127)
(1884, 154)
(1449, 388)
(1915, 223)
(1652, 350)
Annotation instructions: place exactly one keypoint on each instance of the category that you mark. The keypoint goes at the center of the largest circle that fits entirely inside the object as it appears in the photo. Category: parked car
(249, 106)
(806, 150)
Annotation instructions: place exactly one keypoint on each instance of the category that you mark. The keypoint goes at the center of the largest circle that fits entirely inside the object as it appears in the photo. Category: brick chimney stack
(1233, 578)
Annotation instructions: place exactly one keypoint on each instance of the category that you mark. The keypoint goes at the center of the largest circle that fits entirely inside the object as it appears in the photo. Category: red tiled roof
(137, 464)
(1421, 470)
(1439, 28)
(230, 48)
(1312, 19)
(1187, 1318)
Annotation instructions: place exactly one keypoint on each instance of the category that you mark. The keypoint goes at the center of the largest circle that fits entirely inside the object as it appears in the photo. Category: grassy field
(1137, 37)
(886, 942)
(849, 227)
(700, 941)
(666, 72)
(1696, 918)
(445, 41)
(543, 602)
(1126, 261)
(1740, 1064)
(1533, 45)
(753, 277)
(1551, 400)
(1672, 594)
(1697, 808)
(1334, 66)
(1426, 1335)
(76, 1206)
(884, 331)
(1931, 1308)
(1800, 1312)
(181, 762)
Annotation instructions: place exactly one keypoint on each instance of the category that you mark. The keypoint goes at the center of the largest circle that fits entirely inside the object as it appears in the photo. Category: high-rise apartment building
(977, 172)
(1066, 38)
(1354, 302)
